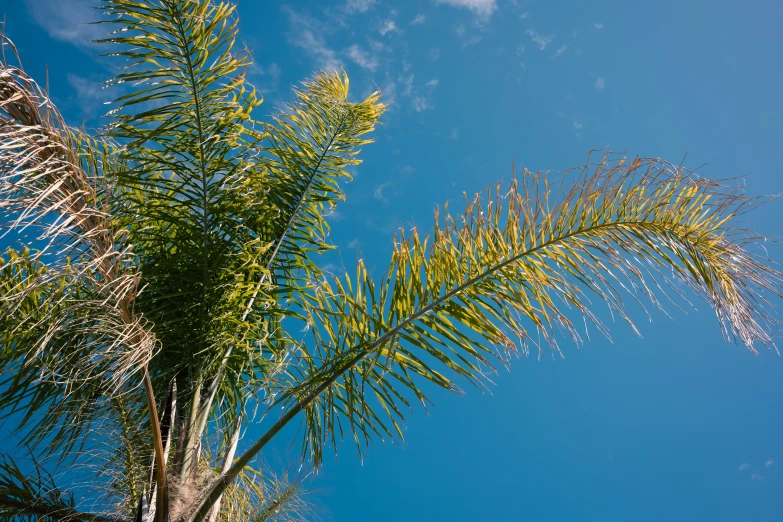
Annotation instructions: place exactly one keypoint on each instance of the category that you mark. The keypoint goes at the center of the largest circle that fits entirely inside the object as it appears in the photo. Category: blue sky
(675, 426)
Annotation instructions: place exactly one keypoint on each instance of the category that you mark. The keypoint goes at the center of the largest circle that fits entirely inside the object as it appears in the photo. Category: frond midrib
(311, 178)
(202, 165)
(478, 277)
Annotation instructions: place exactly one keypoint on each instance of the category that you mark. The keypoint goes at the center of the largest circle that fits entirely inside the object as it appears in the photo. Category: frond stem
(162, 494)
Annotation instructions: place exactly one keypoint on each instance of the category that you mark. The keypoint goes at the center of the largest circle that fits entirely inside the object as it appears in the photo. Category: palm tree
(160, 273)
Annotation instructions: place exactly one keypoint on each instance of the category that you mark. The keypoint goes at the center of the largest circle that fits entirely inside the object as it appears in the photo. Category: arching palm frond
(514, 270)
(34, 496)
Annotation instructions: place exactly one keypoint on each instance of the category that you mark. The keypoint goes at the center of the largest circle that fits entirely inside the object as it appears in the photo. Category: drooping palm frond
(34, 496)
(513, 271)
(67, 311)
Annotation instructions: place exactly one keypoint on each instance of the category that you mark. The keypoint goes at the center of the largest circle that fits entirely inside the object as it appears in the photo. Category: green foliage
(312, 144)
(191, 201)
(35, 497)
(175, 249)
(514, 270)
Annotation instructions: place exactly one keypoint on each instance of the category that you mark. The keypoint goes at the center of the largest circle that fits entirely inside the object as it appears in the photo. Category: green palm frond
(509, 273)
(191, 151)
(126, 459)
(193, 194)
(267, 496)
(284, 498)
(312, 144)
(513, 271)
(28, 497)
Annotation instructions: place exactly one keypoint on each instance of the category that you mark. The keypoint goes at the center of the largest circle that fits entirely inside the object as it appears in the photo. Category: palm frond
(312, 143)
(513, 271)
(194, 198)
(267, 496)
(35, 497)
(189, 136)
(67, 306)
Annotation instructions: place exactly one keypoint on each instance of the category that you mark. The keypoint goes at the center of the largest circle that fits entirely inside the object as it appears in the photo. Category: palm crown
(157, 270)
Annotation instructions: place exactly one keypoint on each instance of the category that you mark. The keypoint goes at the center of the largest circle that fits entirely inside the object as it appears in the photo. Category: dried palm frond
(67, 311)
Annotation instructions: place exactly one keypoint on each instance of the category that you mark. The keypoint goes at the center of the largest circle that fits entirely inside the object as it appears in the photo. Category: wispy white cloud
(358, 6)
(454, 134)
(578, 126)
(420, 19)
(334, 215)
(265, 77)
(407, 81)
(389, 25)
(482, 8)
(377, 45)
(598, 26)
(465, 38)
(362, 58)
(378, 193)
(67, 20)
(560, 51)
(389, 90)
(770, 463)
(421, 103)
(541, 40)
(744, 467)
(473, 40)
(600, 83)
(308, 34)
(90, 95)
(354, 243)
(756, 476)
(434, 54)
(273, 70)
